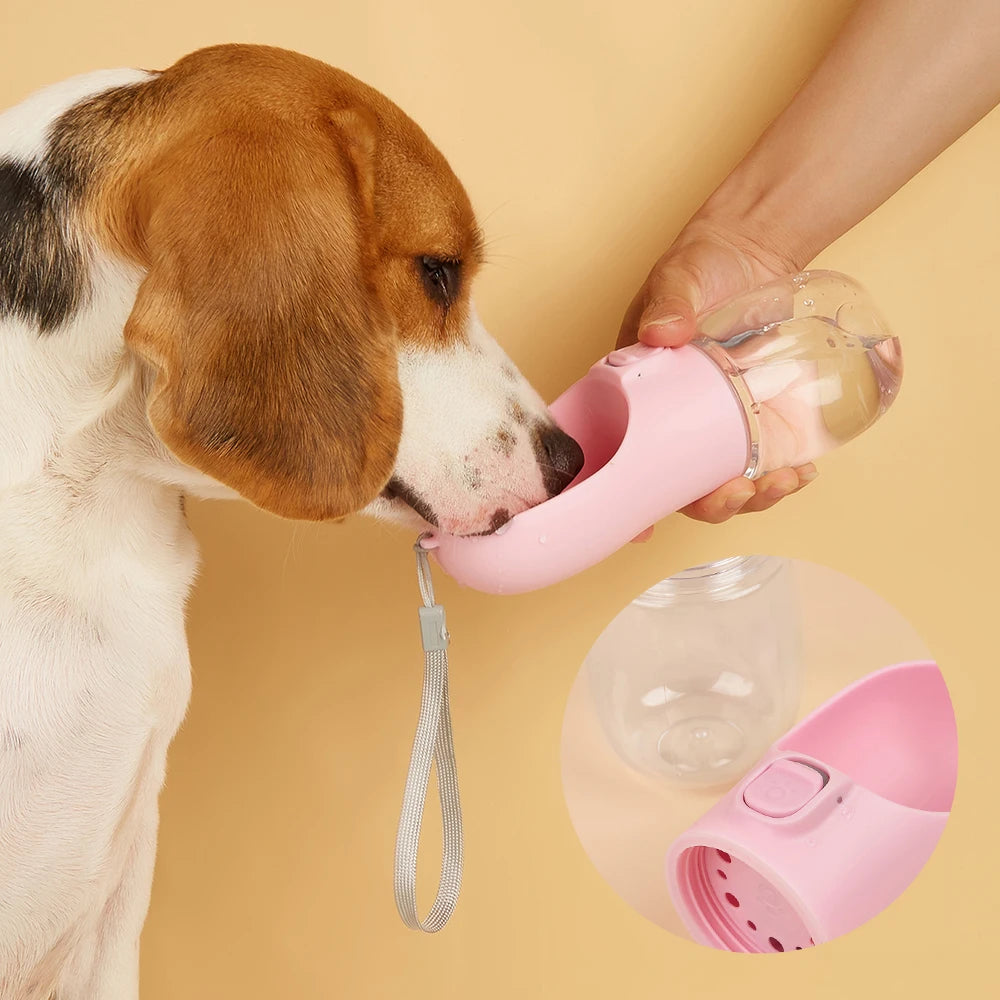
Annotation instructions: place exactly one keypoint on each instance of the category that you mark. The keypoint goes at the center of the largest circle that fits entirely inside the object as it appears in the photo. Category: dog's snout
(559, 457)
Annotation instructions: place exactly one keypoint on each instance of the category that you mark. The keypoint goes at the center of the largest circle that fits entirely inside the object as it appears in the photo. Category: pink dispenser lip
(906, 696)
(592, 465)
(850, 847)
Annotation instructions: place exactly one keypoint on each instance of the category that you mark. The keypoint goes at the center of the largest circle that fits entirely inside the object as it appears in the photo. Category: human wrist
(762, 219)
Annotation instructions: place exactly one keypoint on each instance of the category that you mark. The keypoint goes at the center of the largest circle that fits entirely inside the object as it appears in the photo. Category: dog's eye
(441, 278)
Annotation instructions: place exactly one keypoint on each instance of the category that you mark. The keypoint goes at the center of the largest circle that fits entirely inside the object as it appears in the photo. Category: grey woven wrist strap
(432, 744)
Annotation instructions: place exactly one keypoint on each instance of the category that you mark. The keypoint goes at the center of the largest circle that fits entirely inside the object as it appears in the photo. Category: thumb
(668, 318)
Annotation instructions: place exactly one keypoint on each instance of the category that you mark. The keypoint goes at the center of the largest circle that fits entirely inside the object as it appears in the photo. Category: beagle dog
(245, 276)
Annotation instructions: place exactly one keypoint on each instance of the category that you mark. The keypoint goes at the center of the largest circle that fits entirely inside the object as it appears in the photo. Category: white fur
(96, 564)
(455, 401)
(96, 561)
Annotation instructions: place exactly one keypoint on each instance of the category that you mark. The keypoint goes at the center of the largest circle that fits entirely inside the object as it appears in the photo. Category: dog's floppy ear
(275, 370)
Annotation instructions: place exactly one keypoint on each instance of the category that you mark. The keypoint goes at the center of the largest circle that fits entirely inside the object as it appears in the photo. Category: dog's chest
(94, 681)
(92, 643)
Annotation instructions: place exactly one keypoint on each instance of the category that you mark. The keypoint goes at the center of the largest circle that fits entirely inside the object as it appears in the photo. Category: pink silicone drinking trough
(830, 826)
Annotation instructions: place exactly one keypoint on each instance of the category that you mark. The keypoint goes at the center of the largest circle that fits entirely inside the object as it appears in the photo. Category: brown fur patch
(517, 413)
(506, 442)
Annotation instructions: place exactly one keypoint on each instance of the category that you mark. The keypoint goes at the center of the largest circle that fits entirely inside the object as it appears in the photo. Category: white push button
(783, 788)
(631, 355)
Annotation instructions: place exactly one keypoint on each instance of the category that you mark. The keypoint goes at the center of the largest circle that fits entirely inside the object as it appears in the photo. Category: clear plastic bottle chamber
(696, 677)
(812, 361)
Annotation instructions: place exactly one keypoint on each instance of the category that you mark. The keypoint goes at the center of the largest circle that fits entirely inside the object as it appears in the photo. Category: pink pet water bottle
(830, 826)
(778, 377)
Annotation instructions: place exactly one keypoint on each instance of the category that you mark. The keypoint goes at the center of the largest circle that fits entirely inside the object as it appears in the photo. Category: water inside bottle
(812, 384)
(812, 361)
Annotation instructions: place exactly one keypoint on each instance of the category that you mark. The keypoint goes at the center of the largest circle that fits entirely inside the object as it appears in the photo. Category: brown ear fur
(275, 372)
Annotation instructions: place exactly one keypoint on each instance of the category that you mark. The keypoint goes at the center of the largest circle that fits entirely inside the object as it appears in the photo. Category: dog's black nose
(559, 457)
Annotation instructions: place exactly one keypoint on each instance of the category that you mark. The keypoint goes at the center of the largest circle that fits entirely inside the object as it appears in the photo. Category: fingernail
(807, 475)
(776, 492)
(737, 500)
(668, 320)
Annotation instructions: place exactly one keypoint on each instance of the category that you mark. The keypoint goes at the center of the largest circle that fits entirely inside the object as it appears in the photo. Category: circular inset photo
(759, 754)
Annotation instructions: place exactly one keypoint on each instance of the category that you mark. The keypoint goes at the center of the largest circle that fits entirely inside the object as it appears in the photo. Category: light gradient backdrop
(586, 134)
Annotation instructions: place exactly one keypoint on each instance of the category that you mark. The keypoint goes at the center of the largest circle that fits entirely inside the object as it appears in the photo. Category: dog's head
(306, 307)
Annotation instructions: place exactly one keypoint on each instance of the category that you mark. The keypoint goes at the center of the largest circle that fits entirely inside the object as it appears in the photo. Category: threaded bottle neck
(723, 580)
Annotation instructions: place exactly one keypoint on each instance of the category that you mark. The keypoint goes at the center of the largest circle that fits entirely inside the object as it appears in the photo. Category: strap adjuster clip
(433, 630)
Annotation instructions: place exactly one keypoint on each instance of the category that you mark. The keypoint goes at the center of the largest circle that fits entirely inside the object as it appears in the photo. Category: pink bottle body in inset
(830, 826)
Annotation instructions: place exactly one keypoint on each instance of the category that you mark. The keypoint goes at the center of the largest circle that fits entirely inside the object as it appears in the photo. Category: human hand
(707, 264)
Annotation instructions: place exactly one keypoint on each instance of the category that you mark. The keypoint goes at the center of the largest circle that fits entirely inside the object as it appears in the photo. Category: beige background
(586, 134)
(627, 820)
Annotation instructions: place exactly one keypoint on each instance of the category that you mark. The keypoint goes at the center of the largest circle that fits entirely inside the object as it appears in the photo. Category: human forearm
(903, 80)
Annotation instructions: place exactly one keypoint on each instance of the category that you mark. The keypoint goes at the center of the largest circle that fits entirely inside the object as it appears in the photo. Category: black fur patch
(398, 490)
(43, 270)
(43, 275)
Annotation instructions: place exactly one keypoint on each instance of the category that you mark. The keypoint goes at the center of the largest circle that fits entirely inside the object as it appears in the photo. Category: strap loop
(432, 743)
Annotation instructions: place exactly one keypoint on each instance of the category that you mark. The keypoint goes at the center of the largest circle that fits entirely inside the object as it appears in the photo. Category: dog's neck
(90, 503)
(85, 487)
